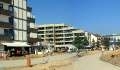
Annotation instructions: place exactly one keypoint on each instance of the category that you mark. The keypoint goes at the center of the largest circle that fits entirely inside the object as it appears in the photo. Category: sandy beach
(65, 64)
(88, 62)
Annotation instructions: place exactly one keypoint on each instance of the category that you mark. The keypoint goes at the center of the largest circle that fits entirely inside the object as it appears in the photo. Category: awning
(17, 44)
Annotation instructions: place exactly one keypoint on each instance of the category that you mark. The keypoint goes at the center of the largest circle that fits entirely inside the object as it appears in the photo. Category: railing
(32, 20)
(4, 12)
(29, 9)
(33, 40)
(6, 1)
(32, 30)
(5, 25)
(5, 38)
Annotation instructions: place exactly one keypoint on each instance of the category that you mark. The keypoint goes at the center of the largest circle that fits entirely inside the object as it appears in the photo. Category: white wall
(24, 35)
(24, 14)
(32, 25)
(33, 35)
(20, 13)
(20, 35)
(24, 25)
(16, 35)
(4, 19)
(20, 25)
(16, 12)
(5, 6)
(16, 2)
(24, 4)
(16, 24)
(93, 38)
(20, 3)
(1, 31)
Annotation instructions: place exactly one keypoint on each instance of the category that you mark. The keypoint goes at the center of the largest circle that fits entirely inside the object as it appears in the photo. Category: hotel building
(59, 35)
(17, 25)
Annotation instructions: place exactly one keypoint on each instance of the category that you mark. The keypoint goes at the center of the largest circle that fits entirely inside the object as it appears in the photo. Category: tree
(118, 42)
(98, 44)
(93, 43)
(106, 42)
(80, 42)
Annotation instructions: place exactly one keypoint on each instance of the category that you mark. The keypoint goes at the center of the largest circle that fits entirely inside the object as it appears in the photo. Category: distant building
(59, 35)
(114, 40)
(93, 38)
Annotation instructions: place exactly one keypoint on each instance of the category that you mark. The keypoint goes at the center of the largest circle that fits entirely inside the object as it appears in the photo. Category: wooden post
(28, 61)
(5, 56)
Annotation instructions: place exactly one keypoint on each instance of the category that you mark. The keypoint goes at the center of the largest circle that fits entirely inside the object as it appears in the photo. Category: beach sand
(66, 64)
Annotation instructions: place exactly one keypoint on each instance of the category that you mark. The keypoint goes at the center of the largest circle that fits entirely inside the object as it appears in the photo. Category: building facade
(16, 20)
(31, 27)
(93, 37)
(59, 35)
(114, 41)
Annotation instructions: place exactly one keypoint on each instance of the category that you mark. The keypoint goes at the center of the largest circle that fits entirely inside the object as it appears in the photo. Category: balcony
(4, 12)
(29, 9)
(32, 20)
(32, 30)
(33, 40)
(5, 38)
(5, 25)
(6, 1)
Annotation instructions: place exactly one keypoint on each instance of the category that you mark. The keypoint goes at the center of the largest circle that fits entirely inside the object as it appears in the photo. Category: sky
(97, 16)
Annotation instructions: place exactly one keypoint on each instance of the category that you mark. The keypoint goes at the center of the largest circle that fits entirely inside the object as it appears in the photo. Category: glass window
(10, 8)
(11, 20)
(1, 6)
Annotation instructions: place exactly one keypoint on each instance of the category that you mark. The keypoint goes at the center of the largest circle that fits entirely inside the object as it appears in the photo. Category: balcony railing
(4, 12)
(6, 1)
(29, 9)
(5, 38)
(5, 25)
(33, 40)
(32, 30)
(32, 20)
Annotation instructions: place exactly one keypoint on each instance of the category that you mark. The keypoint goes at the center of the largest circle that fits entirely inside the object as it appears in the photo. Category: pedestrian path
(93, 62)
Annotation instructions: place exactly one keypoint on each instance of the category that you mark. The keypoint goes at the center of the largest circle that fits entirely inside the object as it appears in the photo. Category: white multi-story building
(16, 25)
(93, 37)
(59, 35)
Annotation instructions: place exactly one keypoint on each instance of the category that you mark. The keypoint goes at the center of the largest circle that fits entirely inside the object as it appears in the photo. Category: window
(1, 6)
(11, 10)
(11, 20)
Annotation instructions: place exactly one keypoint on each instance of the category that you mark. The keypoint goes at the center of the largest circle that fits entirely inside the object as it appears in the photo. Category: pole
(28, 61)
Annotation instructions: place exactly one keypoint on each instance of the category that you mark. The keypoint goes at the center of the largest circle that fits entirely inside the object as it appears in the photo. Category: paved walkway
(92, 62)
(19, 63)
